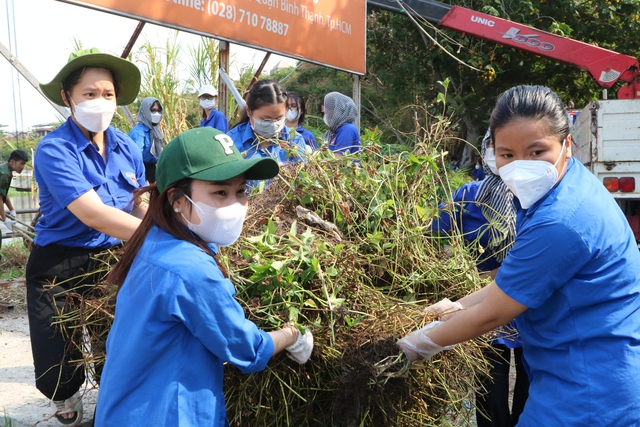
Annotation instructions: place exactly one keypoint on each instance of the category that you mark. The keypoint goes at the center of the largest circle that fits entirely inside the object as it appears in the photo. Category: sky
(41, 34)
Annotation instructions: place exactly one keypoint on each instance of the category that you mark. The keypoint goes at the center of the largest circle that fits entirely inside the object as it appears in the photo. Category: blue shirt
(175, 326)
(308, 136)
(576, 265)
(141, 135)
(346, 139)
(465, 216)
(478, 174)
(216, 120)
(66, 166)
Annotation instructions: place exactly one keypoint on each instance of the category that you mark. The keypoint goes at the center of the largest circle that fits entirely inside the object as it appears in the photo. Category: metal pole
(132, 40)
(125, 53)
(357, 98)
(223, 90)
(256, 76)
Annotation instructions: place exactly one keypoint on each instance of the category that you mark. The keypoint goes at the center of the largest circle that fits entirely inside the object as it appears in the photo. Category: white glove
(444, 306)
(9, 223)
(417, 345)
(301, 350)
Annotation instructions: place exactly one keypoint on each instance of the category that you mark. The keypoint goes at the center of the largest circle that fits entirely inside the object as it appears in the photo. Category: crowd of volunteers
(563, 264)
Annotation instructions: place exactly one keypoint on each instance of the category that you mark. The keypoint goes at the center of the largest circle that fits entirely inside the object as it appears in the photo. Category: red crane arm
(605, 66)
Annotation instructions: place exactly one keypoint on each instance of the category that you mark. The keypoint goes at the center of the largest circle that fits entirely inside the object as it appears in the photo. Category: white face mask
(530, 180)
(268, 128)
(221, 226)
(95, 115)
(208, 104)
(326, 122)
(490, 160)
(156, 117)
(292, 115)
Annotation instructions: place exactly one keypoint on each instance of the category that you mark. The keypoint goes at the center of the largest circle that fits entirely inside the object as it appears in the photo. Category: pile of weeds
(357, 270)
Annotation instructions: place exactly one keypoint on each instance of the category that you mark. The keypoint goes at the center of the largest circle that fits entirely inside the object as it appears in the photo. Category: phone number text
(230, 12)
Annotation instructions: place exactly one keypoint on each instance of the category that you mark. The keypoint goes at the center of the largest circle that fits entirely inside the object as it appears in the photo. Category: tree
(405, 63)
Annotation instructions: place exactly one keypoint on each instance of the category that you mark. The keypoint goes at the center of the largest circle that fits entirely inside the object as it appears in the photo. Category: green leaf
(332, 272)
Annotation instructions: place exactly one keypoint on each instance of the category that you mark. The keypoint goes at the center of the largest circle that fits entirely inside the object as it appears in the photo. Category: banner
(326, 32)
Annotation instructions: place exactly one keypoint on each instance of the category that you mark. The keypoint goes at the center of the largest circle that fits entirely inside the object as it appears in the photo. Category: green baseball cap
(208, 155)
(125, 73)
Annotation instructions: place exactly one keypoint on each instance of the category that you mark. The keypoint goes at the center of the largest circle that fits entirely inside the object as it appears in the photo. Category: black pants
(150, 172)
(59, 374)
(494, 404)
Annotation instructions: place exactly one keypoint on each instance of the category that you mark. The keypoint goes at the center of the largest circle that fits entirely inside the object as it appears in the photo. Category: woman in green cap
(86, 172)
(176, 325)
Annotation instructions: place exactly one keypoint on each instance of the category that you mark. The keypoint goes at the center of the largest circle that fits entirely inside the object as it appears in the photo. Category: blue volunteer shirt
(576, 265)
(141, 135)
(308, 136)
(67, 166)
(216, 120)
(175, 327)
(346, 139)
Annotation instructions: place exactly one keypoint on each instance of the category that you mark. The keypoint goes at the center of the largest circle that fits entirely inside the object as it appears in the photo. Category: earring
(176, 210)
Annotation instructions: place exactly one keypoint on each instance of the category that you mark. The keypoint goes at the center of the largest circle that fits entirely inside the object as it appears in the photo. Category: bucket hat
(207, 154)
(125, 73)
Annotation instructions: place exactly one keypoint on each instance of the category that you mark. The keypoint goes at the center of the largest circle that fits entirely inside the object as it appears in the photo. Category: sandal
(72, 404)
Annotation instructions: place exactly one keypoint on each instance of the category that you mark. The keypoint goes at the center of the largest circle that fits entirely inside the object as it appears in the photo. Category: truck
(606, 133)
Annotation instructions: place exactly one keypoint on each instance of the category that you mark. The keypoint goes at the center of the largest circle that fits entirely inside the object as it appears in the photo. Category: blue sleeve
(236, 137)
(141, 136)
(450, 213)
(58, 164)
(138, 164)
(527, 275)
(137, 134)
(205, 303)
(308, 136)
(220, 122)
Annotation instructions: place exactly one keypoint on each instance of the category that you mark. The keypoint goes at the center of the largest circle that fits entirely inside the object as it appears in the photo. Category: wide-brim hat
(207, 154)
(125, 73)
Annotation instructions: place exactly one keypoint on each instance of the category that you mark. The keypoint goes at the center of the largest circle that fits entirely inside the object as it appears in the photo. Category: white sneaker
(72, 404)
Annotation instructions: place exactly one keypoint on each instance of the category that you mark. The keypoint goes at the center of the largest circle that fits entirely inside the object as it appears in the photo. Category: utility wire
(15, 45)
(13, 72)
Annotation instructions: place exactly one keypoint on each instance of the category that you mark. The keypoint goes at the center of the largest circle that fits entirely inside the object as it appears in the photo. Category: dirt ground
(21, 403)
